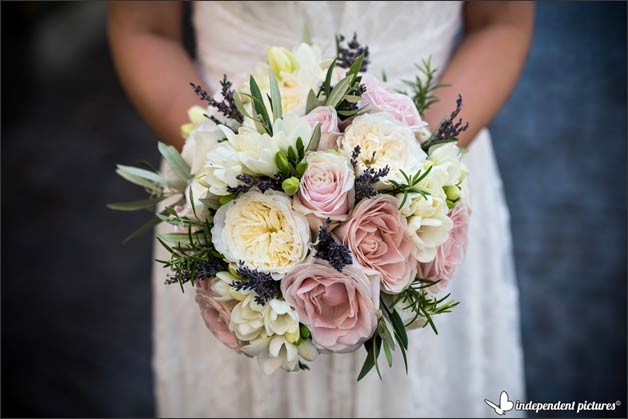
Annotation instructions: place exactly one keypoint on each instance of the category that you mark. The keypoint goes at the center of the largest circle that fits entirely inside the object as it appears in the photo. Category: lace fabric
(477, 353)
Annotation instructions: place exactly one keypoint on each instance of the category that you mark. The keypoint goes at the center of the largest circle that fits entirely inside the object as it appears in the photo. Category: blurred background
(76, 305)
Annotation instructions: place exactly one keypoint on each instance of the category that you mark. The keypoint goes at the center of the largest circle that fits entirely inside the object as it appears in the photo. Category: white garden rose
(262, 231)
(446, 163)
(383, 142)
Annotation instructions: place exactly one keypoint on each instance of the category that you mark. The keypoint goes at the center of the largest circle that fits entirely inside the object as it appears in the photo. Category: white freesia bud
(281, 61)
(247, 319)
(307, 350)
(221, 286)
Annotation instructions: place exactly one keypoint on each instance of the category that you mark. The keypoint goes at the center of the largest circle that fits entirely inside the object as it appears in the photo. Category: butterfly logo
(504, 404)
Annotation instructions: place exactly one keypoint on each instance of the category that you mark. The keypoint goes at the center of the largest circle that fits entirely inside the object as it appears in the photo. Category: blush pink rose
(399, 106)
(450, 254)
(328, 118)
(340, 308)
(326, 188)
(377, 235)
(215, 313)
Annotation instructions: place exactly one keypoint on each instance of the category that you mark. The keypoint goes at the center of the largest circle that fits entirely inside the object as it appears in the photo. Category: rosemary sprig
(422, 303)
(421, 91)
(410, 185)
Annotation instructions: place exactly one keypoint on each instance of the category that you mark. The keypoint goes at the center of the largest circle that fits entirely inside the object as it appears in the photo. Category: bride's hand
(154, 68)
(486, 64)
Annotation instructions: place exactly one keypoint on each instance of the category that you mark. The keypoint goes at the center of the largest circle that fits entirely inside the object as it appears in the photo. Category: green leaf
(143, 229)
(356, 66)
(240, 105)
(377, 344)
(258, 103)
(400, 329)
(328, 75)
(179, 166)
(338, 92)
(388, 353)
(311, 103)
(140, 181)
(132, 174)
(369, 362)
(135, 205)
(275, 97)
(315, 139)
(183, 238)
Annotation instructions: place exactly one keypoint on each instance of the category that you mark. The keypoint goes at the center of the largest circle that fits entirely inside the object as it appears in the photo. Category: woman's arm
(487, 63)
(146, 44)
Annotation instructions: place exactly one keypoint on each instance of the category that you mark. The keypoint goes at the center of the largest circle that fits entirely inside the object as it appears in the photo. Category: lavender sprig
(347, 55)
(263, 183)
(261, 283)
(227, 106)
(364, 184)
(327, 249)
(449, 128)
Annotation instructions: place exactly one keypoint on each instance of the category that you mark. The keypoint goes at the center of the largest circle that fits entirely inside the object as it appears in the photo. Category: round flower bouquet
(312, 208)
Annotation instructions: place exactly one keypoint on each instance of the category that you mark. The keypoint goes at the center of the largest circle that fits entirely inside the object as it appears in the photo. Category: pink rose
(399, 106)
(449, 254)
(326, 187)
(377, 235)
(340, 308)
(216, 313)
(328, 119)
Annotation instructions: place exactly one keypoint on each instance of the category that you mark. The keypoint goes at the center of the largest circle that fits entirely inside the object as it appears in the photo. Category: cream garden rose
(383, 141)
(262, 231)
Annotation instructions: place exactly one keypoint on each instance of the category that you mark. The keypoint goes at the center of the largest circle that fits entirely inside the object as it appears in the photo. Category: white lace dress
(478, 351)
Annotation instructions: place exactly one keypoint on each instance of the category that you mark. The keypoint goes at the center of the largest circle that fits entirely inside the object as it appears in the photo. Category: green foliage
(410, 185)
(260, 113)
(417, 299)
(391, 331)
(187, 250)
(390, 334)
(344, 95)
(275, 98)
(178, 165)
(421, 91)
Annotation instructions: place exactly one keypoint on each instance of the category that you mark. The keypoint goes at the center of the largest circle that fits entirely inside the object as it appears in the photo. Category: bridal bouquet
(312, 208)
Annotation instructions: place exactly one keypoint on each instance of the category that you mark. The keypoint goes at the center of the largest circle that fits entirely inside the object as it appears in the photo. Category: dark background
(76, 306)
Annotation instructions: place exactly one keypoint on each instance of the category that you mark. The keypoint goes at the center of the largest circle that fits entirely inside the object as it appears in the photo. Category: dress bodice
(232, 36)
